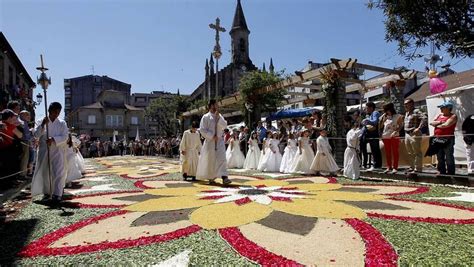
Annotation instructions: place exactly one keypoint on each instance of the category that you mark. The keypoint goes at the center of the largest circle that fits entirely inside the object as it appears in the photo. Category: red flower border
(40, 246)
(418, 189)
(95, 206)
(428, 219)
(378, 251)
(252, 251)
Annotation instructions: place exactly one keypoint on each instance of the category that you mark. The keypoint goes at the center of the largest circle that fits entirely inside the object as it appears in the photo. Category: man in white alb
(58, 135)
(190, 148)
(212, 162)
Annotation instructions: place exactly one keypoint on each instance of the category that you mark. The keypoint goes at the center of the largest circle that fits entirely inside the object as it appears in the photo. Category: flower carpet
(137, 210)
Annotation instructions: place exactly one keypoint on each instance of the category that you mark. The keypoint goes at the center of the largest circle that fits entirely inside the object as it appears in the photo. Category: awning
(292, 113)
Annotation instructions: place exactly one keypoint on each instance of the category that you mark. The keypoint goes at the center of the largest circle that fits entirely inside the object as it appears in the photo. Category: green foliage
(414, 24)
(166, 111)
(249, 87)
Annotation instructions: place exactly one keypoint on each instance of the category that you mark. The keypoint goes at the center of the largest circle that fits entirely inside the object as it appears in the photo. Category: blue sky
(163, 44)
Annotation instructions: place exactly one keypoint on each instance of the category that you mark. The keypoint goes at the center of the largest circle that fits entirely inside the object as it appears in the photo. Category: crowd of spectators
(160, 146)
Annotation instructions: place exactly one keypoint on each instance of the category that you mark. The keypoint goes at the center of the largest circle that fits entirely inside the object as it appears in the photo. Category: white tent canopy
(463, 97)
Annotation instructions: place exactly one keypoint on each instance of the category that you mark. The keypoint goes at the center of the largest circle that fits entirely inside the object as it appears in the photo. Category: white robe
(57, 151)
(212, 162)
(302, 161)
(326, 162)
(253, 155)
(351, 157)
(191, 144)
(73, 169)
(234, 156)
(264, 154)
(291, 150)
(273, 159)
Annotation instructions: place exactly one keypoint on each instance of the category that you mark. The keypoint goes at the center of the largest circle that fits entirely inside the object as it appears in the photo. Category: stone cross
(217, 27)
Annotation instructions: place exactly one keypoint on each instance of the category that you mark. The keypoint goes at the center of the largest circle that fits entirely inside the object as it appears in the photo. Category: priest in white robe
(58, 135)
(190, 148)
(212, 162)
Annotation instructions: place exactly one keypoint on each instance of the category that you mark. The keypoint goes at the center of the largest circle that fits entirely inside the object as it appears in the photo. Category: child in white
(73, 169)
(273, 160)
(302, 161)
(324, 161)
(235, 157)
(265, 153)
(291, 150)
(253, 154)
(351, 157)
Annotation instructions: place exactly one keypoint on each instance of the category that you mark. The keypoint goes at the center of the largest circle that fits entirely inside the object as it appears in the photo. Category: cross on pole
(217, 27)
(217, 51)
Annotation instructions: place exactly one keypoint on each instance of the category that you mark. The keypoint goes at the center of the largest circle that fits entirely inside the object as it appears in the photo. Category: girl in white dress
(291, 150)
(253, 154)
(235, 157)
(265, 153)
(324, 161)
(273, 161)
(72, 162)
(351, 157)
(302, 161)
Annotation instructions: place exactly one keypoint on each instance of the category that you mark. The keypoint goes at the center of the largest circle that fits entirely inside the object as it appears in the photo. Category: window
(113, 120)
(91, 119)
(134, 120)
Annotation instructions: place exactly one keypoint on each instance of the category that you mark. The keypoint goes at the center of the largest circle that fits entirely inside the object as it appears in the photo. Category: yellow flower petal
(229, 215)
(169, 203)
(317, 187)
(266, 183)
(346, 196)
(319, 209)
(179, 191)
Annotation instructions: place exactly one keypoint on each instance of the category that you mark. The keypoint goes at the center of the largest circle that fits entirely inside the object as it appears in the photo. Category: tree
(253, 103)
(165, 112)
(415, 24)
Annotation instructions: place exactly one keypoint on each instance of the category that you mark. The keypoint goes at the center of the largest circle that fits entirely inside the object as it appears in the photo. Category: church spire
(271, 67)
(211, 64)
(263, 68)
(206, 67)
(239, 22)
(240, 38)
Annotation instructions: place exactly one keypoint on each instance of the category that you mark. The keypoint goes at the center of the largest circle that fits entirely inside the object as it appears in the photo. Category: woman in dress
(253, 154)
(304, 157)
(235, 157)
(291, 150)
(265, 153)
(273, 160)
(391, 123)
(324, 161)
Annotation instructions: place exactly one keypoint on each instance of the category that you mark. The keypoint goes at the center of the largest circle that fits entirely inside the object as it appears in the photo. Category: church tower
(240, 38)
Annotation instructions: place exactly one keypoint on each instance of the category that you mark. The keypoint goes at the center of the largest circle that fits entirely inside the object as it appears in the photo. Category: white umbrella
(137, 137)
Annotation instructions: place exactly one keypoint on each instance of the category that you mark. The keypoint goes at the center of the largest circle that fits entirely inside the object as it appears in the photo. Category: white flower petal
(230, 198)
(261, 199)
(280, 194)
(270, 188)
(228, 189)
